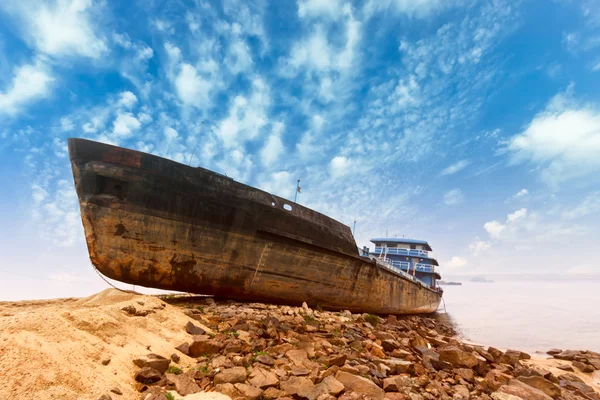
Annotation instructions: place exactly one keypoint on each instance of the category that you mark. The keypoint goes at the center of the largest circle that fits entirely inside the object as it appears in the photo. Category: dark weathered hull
(153, 222)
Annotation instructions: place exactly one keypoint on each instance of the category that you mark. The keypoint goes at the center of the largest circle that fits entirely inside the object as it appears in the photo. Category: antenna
(298, 188)
(354, 228)
(195, 148)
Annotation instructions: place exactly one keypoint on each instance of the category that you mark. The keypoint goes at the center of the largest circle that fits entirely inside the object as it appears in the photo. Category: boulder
(359, 384)
(466, 373)
(583, 367)
(231, 375)
(203, 345)
(207, 396)
(396, 396)
(300, 387)
(248, 391)
(193, 329)
(262, 379)
(568, 355)
(159, 363)
(148, 375)
(457, 357)
(554, 351)
(337, 359)
(184, 383)
(265, 359)
(520, 389)
(331, 386)
(542, 384)
(105, 397)
(505, 396)
(184, 348)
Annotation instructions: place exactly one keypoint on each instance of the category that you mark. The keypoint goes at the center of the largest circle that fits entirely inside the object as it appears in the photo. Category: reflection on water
(527, 315)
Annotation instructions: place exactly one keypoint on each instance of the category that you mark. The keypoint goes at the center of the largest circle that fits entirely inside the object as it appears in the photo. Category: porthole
(272, 204)
(287, 207)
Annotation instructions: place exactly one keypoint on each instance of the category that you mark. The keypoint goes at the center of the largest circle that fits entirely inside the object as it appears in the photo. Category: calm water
(527, 315)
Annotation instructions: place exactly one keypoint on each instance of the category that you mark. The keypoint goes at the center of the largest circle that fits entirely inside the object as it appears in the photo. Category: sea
(528, 313)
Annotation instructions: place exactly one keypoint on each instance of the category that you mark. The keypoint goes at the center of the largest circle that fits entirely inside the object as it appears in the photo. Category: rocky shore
(258, 351)
(144, 347)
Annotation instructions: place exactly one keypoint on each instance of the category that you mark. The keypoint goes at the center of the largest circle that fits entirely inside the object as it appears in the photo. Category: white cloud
(454, 196)
(238, 59)
(273, 146)
(478, 247)
(30, 82)
(414, 8)
(58, 28)
(279, 183)
(192, 88)
(312, 8)
(494, 228)
(170, 133)
(313, 53)
(521, 193)
(127, 99)
(454, 168)
(66, 124)
(456, 263)
(125, 124)
(521, 213)
(246, 116)
(339, 166)
(589, 205)
(563, 140)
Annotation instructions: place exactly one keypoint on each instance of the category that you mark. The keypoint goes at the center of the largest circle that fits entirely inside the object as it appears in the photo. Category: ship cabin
(410, 256)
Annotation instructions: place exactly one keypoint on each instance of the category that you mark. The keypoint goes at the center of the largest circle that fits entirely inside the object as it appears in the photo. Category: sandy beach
(85, 349)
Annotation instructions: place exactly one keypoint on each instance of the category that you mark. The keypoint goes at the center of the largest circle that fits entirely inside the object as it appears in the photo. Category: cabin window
(287, 207)
(413, 246)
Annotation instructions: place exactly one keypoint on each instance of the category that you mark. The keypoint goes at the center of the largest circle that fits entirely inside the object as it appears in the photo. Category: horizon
(472, 125)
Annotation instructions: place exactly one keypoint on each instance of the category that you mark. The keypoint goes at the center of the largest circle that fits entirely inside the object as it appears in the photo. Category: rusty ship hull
(157, 223)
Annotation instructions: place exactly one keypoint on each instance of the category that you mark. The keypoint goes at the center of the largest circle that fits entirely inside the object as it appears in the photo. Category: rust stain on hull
(156, 223)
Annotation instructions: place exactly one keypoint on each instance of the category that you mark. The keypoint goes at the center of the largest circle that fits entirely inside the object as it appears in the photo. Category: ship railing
(402, 252)
(386, 263)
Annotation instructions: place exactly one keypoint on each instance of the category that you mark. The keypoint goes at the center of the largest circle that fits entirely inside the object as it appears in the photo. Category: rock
(526, 392)
(248, 391)
(397, 366)
(148, 375)
(331, 386)
(465, 373)
(554, 351)
(565, 367)
(461, 392)
(184, 348)
(542, 384)
(457, 357)
(505, 396)
(396, 396)
(594, 362)
(297, 356)
(339, 360)
(299, 371)
(231, 375)
(390, 345)
(116, 390)
(159, 363)
(300, 387)
(105, 361)
(438, 364)
(175, 357)
(263, 379)
(494, 379)
(193, 329)
(265, 359)
(273, 393)
(207, 395)
(184, 383)
(359, 384)
(203, 345)
(568, 355)
(582, 367)
(105, 397)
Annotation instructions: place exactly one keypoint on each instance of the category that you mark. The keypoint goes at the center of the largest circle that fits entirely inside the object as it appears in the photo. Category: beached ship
(157, 223)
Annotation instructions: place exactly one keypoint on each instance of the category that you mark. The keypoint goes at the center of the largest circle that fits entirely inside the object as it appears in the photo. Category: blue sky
(472, 124)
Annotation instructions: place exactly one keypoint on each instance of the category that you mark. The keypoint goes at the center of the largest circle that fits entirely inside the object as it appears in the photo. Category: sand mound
(54, 349)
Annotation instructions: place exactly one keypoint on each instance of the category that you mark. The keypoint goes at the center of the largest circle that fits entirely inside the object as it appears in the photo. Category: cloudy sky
(472, 124)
